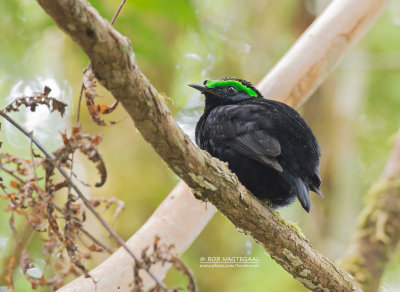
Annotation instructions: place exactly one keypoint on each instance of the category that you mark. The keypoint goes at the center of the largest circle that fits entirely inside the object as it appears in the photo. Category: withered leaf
(52, 220)
(86, 144)
(162, 253)
(104, 109)
(90, 94)
(38, 98)
(14, 184)
(89, 84)
(95, 248)
(108, 202)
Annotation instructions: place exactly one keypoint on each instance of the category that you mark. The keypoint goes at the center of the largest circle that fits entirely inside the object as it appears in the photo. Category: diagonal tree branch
(114, 64)
(314, 56)
(378, 230)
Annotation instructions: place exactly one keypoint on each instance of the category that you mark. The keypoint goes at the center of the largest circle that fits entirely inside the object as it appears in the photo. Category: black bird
(266, 143)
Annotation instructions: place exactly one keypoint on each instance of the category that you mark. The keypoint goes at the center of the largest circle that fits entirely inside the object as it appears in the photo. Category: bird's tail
(301, 192)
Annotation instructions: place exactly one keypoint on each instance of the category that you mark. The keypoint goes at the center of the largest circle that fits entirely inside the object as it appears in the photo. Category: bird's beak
(200, 87)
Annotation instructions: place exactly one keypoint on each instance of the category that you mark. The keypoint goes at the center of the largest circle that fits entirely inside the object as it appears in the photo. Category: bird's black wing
(258, 145)
(243, 129)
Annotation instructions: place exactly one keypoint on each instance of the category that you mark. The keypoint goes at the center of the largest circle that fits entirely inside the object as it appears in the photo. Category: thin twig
(83, 198)
(95, 240)
(80, 100)
(118, 11)
(32, 156)
(10, 172)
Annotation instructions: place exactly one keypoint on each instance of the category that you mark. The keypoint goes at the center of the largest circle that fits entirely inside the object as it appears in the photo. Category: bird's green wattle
(239, 86)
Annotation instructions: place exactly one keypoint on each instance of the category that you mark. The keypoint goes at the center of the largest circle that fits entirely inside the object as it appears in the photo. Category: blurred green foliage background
(355, 115)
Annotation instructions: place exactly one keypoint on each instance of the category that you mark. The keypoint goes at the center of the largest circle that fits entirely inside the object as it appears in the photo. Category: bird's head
(227, 90)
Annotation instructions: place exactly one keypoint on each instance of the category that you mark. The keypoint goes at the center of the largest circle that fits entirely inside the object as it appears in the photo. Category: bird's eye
(232, 90)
